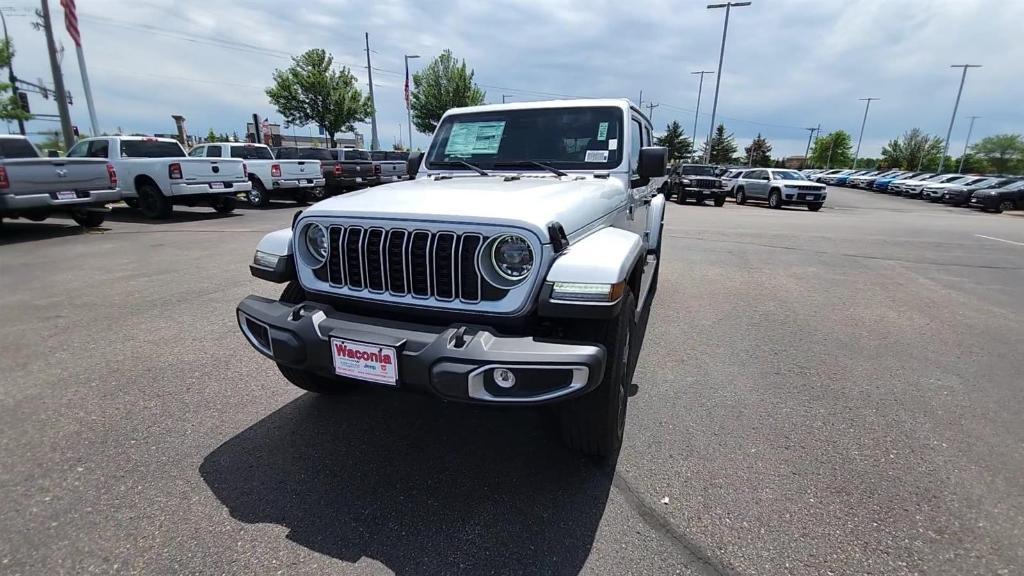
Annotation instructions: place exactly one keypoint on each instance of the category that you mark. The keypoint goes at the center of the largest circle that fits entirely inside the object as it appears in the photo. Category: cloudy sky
(789, 64)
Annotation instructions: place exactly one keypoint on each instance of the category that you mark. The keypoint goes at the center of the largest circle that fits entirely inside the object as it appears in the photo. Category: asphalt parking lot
(819, 393)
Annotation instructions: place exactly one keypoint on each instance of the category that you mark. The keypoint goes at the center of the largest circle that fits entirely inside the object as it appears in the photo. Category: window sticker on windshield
(468, 138)
(596, 156)
(613, 144)
(602, 131)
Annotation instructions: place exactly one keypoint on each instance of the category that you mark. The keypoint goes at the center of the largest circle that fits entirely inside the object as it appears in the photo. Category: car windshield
(17, 148)
(584, 138)
(696, 170)
(250, 152)
(788, 175)
(151, 149)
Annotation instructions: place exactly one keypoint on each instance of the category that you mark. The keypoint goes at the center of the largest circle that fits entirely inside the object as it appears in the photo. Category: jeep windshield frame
(563, 138)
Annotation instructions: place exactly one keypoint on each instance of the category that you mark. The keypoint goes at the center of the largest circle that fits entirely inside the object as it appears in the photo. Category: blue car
(842, 180)
(882, 184)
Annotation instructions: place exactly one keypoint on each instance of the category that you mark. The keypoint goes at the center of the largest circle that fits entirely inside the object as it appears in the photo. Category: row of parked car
(153, 175)
(993, 193)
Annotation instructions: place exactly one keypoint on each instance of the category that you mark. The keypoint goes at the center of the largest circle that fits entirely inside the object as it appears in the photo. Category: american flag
(71, 21)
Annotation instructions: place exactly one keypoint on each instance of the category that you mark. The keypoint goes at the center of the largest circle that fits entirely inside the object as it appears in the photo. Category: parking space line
(1000, 240)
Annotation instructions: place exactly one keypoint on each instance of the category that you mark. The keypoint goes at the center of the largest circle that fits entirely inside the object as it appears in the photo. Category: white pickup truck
(154, 174)
(300, 180)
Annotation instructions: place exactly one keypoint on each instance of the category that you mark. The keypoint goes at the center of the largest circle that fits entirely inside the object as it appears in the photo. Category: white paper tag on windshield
(596, 156)
(613, 144)
(602, 131)
(468, 138)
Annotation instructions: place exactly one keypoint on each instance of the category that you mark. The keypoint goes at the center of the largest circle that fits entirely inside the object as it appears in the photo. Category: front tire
(153, 204)
(741, 196)
(1004, 206)
(680, 196)
(815, 207)
(720, 200)
(89, 218)
(775, 199)
(594, 423)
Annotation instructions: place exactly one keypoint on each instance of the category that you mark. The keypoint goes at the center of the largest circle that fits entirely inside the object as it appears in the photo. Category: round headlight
(512, 257)
(316, 242)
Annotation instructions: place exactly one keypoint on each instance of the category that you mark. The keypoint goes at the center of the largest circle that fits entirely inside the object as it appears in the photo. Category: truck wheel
(680, 196)
(89, 218)
(257, 197)
(720, 200)
(153, 204)
(594, 423)
(132, 202)
(293, 294)
(741, 196)
(815, 207)
(224, 204)
(315, 194)
(775, 199)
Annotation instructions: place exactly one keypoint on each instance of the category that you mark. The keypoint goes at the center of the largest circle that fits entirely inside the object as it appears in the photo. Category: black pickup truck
(344, 169)
(697, 181)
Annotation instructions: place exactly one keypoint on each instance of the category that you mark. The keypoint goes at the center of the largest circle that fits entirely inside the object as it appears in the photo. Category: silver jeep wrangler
(512, 269)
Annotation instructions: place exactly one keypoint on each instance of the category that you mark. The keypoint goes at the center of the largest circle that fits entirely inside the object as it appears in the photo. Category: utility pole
(58, 79)
(700, 88)
(650, 114)
(867, 105)
(810, 134)
(966, 144)
(718, 76)
(640, 104)
(10, 75)
(949, 132)
(408, 96)
(831, 143)
(374, 143)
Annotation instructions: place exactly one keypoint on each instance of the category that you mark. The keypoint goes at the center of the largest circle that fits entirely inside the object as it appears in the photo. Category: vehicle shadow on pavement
(422, 487)
(28, 231)
(179, 214)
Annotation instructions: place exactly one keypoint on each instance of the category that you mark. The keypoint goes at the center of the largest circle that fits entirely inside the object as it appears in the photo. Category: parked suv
(780, 188)
(1010, 197)
(512, 271)
(961, 195)
(697, 181)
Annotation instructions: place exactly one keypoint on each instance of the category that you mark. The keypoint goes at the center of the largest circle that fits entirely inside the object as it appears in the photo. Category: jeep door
(640, 195)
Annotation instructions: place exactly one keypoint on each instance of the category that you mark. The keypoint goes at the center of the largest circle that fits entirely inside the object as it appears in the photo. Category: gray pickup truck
(35, 187)
(388, 165)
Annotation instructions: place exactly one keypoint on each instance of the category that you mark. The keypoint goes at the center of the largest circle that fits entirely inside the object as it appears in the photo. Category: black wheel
(309, 381)
(720, 200)
(775, 199)
(153, 204)
(224, 204)
(741, 196)
(699, 199)
(680, 196)
(815, 207)
(257, 197)
(315, 194)
(1004, 206)
(89, 218)
(594, 423)
(132, 202)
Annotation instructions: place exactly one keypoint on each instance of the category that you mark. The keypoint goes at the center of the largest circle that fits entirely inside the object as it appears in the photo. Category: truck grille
(399, 262)
(704, 183)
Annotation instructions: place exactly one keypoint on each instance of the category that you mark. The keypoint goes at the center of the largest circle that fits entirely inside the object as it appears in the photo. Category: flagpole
(88, 92)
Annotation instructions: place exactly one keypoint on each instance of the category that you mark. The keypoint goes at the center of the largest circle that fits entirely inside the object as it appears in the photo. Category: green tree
(312, 91)
(973, 164)
(679, 146)
(914, 148)
(10, 108)
(444, 84)
(723, 147)
(759, 153)
(868, 163)
(234, 136)
(53, 141)
(1004, 152)
(211, 136)
(832, 149)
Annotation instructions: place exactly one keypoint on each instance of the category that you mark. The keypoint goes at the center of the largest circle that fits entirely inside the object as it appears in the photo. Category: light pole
(718, 76)
(966, 144)
(867, 106)
(956, 105)
(700, 88)
(408, 105)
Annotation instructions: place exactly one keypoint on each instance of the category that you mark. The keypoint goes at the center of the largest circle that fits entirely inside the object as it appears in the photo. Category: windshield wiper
(472, 167)
(524, 163)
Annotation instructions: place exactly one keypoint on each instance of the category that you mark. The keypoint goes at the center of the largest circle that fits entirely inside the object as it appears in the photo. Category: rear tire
(89, 218)
(257, 197)
(815, 207)
(775, 199)
(741, 196)
(153, 204)
(293, 294)
(594, 423)
(224, 204)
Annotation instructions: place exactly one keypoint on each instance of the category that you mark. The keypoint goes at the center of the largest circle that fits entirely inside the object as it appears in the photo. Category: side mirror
(653, 162)
(412, 165)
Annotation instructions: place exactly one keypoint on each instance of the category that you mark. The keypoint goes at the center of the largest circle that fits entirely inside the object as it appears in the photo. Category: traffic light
(23, 100)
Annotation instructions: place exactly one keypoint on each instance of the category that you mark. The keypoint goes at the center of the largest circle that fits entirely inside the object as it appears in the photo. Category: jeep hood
(531, 201)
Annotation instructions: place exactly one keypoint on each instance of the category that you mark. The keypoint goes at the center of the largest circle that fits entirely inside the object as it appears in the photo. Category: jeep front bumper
(457, 362)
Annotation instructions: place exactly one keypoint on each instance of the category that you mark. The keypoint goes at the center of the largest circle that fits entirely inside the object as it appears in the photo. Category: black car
(698, 181)
(961, 195)
(1000, 199)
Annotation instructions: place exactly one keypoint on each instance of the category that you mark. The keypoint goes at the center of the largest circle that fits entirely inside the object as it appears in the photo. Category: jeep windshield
(585, 138)
(691, 170)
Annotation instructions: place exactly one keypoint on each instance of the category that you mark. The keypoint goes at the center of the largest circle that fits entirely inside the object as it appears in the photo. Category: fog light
(504, 377)
(265, 260)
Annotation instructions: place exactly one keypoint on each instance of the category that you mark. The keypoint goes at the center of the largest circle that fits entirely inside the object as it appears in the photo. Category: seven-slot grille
(399, 262)
(703, 183)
